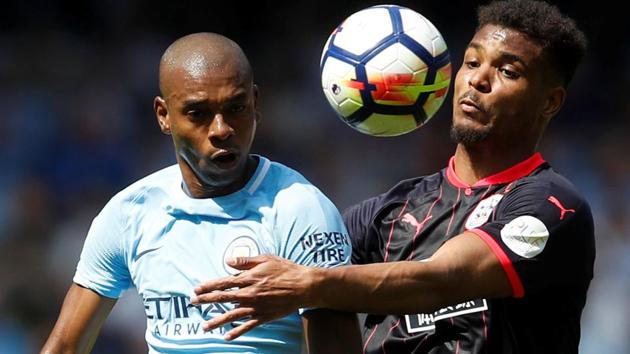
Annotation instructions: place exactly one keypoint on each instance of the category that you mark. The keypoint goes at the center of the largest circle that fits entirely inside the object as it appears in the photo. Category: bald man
(177, 227)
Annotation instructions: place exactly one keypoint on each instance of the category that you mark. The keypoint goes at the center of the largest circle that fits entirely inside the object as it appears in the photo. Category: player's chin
(470, 119)
(224, 172)
(469, 133)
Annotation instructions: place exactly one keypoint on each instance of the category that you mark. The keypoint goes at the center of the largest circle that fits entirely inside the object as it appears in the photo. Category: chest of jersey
(188, 250)
(414, 229)
(173, 254)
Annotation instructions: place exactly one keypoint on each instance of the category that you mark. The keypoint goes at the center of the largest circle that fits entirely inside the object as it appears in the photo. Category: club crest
(482, 212)
(242, 246)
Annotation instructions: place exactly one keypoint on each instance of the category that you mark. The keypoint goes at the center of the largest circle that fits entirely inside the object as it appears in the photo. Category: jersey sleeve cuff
(81, 281)
(517, 286)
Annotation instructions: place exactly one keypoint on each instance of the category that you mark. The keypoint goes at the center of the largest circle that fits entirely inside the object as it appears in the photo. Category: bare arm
(464, 268)
(82, 315)
(331, 332)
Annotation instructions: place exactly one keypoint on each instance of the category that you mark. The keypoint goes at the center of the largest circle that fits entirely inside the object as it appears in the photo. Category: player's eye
(471, 64)
(236, 108)
(510, 74)
(196, 114)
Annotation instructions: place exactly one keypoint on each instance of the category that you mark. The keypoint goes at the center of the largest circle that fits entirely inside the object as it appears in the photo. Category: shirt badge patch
(525, 236)
(242, 246)
(482, 212)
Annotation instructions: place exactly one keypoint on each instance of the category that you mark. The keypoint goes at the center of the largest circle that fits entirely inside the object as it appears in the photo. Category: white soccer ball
(385, 70)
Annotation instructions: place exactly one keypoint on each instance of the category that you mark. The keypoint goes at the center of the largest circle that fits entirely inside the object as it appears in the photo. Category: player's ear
(257, 103)
(161, 113)
(554, 101)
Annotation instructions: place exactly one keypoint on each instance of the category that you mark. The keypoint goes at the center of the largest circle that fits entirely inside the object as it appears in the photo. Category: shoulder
(290, 190)
(406, 189)
(549, 198)
(146, 191)
(415, 187)
(160, 180)
(545, 186)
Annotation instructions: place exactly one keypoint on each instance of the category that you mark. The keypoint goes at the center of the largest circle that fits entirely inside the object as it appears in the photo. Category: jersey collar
(508, 175)
(227, 206)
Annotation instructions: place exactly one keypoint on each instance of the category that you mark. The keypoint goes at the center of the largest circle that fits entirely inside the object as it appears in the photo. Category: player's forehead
(494, 39)
(211, 86)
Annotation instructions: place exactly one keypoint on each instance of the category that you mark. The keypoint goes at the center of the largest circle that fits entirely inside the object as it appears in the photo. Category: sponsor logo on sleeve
(525, 236)
(331, 246)
(482, 212)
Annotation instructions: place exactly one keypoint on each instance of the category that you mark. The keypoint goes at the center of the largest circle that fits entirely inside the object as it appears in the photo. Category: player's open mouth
(225, 158)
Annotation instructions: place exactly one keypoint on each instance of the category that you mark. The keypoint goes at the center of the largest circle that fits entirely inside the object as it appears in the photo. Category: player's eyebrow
(504, 56)
(239, 96)
(477, 46)
(507, 56)
(193, 102)
(202, 100)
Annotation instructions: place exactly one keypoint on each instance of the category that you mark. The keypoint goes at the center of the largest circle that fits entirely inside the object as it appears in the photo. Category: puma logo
(410, 219)
(557, 203)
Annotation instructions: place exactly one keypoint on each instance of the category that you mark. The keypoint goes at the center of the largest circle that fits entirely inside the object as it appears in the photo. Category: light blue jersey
(155, 237)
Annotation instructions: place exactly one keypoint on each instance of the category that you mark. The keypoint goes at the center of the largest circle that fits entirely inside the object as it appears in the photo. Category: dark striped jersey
(532, 219)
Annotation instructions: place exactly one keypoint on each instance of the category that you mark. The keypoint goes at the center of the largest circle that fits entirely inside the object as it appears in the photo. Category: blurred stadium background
(77, 79)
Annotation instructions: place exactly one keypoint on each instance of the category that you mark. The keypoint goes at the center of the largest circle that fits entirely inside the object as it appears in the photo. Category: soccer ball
(385, 70)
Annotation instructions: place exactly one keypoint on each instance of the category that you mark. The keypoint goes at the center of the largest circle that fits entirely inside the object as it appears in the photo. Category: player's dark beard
(465, 136)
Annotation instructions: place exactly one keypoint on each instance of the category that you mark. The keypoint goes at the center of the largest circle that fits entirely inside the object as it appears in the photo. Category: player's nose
(479, 80)
(220, 128)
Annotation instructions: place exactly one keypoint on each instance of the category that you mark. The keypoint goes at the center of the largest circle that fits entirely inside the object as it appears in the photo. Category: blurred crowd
(77, 81)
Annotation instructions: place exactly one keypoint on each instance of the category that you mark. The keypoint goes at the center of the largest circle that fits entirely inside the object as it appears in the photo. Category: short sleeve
(312, 229)
(542, 233)
(102, 266)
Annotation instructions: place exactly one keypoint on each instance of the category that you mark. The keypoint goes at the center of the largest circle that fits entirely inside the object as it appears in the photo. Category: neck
(473, 163)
